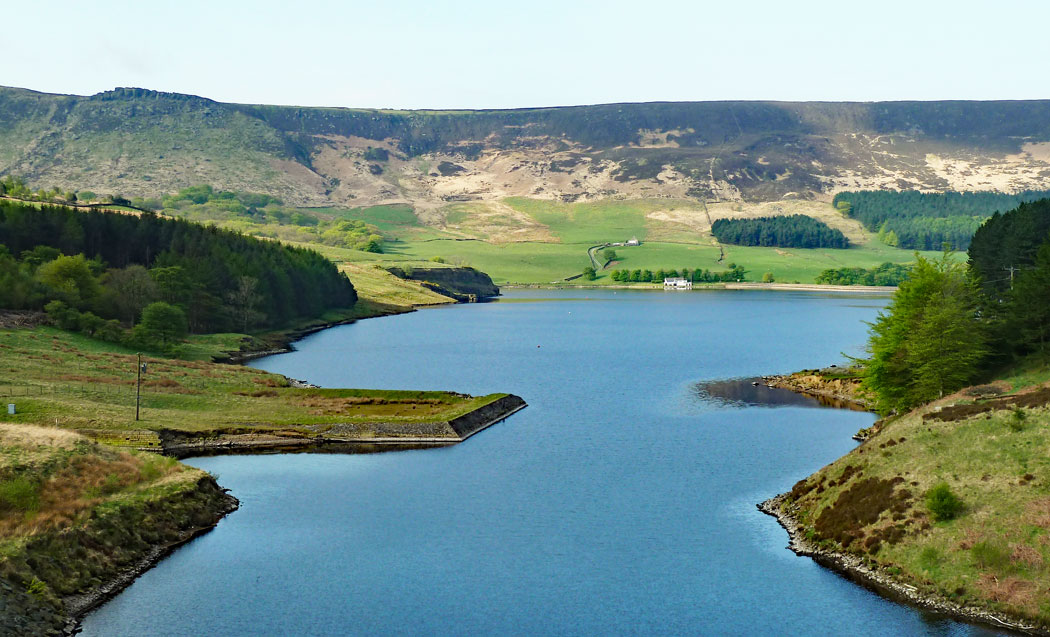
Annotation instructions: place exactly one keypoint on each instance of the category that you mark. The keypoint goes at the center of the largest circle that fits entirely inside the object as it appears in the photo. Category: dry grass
(1011, 591)
(12, 435)
(59, 475)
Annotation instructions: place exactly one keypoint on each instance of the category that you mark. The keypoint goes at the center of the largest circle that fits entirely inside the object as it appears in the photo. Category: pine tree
(929, 341)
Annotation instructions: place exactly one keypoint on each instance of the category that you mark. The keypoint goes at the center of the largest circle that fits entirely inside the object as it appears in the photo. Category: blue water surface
(618, 502)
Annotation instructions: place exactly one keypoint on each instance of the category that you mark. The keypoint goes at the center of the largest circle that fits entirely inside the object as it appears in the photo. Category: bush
(90, 323)
(19, 495)
(990, 555)
(1017, 418)
(162, 325)
(942, 503)
(37, 589)
(930, 558)
(62, 316)
(110, 331)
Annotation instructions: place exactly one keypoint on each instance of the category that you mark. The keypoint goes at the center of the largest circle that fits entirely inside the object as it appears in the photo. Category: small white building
(678, 283)
(633, 241)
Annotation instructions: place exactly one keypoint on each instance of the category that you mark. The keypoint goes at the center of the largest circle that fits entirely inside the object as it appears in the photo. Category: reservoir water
(620, 501)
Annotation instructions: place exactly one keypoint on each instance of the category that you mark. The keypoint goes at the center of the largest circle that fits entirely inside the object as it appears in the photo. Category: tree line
(889, 274)
(792, 231)
(115, 265)
(253, 213)
(926, 221)
(696, 275)
(951, 324)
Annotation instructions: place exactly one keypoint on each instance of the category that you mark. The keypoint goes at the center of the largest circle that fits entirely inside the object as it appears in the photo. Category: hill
(146, 143)
(523, 194)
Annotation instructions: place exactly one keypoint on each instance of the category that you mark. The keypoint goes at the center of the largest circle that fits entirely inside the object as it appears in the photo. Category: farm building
(678, 283)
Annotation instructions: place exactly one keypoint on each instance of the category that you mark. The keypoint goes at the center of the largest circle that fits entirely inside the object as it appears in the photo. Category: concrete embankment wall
(362, 438)
(469, 424)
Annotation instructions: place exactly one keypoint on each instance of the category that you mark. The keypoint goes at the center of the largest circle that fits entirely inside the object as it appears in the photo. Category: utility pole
(138, 386)
(1011, 269)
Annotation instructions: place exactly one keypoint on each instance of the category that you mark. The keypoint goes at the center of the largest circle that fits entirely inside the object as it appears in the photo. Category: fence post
(138, 386)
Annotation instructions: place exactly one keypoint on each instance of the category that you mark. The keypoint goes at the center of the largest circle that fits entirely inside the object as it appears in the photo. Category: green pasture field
(545, 263)
(577, 226)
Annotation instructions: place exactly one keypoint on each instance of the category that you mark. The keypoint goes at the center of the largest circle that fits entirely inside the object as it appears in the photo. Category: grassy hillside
(547, 262)
(988, 445)
(375, 284)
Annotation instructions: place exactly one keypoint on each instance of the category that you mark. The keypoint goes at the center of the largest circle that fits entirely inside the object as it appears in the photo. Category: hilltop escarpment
(147, 143)
(462, 284)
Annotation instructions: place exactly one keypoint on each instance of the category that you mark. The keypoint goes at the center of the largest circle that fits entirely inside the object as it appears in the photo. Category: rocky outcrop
(839, 384)
(462, 284)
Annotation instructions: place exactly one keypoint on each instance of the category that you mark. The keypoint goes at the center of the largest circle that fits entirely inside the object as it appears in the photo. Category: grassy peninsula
(87, 502)
(70, 381)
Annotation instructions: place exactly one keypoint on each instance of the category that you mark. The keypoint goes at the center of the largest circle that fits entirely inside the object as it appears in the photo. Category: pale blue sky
(491, 54)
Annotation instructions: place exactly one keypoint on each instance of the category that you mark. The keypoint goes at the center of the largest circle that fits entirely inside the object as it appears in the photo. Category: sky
(493, 54)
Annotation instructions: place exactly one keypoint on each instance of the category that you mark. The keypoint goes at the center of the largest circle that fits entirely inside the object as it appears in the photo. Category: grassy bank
(64, 379)
(882, 504)
(77, 518)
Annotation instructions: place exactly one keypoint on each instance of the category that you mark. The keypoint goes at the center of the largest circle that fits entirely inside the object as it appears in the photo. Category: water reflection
(754, 392)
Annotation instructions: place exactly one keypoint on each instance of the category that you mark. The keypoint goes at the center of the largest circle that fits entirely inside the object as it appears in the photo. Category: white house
(678, 283)
(633, 241)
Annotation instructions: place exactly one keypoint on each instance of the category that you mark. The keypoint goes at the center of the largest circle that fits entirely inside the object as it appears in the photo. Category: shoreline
(878, 580)
(80, 605)
(282, 341)
(823, 390)
(702, 287)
